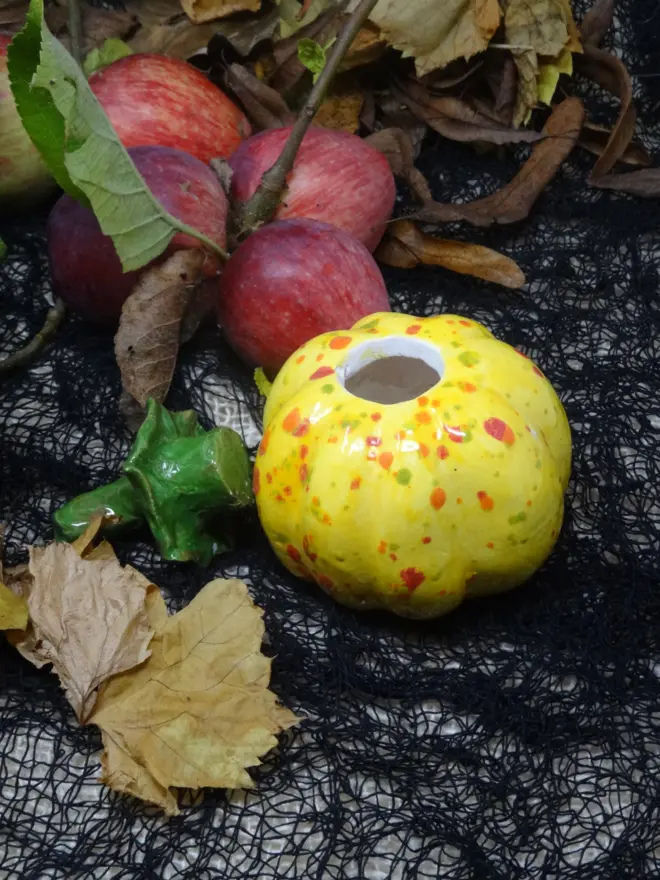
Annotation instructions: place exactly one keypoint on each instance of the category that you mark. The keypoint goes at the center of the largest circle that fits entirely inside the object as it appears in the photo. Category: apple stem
(261, 206)
(24, 355)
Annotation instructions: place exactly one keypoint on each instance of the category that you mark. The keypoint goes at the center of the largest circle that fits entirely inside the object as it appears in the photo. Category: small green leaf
(111, 50)
(80, 147)
(312, 56)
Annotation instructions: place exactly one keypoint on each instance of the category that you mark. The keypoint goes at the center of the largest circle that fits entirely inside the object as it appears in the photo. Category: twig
(76, 30)
(24, 355)
(260, 207)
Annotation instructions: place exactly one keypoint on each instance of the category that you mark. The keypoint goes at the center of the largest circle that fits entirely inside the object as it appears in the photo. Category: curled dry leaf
(597, 22)
(406, 246)
(594, 138)
(263, 105)
(208, 10)
(341, 108)
(610, 73)
(436, 33)
(395, 144)
(149, 334)
(456, 119)
(514, 201)
(504, 91)
(88, 619)
(199, 711)
(645, 183)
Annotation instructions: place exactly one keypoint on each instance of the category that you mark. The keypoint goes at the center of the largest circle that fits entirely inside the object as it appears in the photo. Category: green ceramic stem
(116, 500)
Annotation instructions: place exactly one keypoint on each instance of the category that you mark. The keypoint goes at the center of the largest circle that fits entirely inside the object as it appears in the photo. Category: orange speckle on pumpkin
(376, 417)
(423, 401)
(300, 359)
(455, 434)
(355, 484)
(316, 501)
(340, 342)
(322, 372)
(291, 421)
(278, 497)
(459, 500)
(293, 553)
(303, 451)
(426, 540)
(382, 547)
(529, 504)
(485, 501)
(438, 498)
(490, 545)
(423, 417)
(413, 329)
(373, 441)
(537, 371)
(269, 477)
(263, 446)
(450, 321)
(274, 471)
(256, 482)
(499, 430)
(302, 429)
(412, 578)
(287, 491)
(468, 387)
(326, 519)
(465, 323)
(385, 460)
(319, 357)
(423, 450)
(400, 435)
(443, 452)
(303, 473)
(325, 582)
(306, 545)
(393, 557)
(333, 439)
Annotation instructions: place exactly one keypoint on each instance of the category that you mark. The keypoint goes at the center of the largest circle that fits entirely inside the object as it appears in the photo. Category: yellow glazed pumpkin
(453, 490)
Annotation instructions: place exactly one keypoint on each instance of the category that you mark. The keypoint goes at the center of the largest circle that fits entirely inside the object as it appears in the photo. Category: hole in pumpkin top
(391, 370)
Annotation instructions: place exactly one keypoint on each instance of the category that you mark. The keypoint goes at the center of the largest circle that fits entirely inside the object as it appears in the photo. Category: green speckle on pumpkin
(469, 358)
(327, 389)
(350, 423)
(394, 547)
(456, 345)
(370, 325)
(403, 477)
(517, 517)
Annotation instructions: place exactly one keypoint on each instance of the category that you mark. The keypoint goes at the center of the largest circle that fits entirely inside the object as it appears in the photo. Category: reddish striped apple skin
(160, 101)
(290, 281)
(336, 178)
(84, 265)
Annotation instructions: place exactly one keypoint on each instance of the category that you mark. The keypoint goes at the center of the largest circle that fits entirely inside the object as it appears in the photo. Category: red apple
(24, 179)
(85, 268)
(337, 178)
(290, 281)
(161, 101)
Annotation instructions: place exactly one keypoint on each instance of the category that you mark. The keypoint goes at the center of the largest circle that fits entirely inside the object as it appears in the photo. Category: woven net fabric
(518, 737)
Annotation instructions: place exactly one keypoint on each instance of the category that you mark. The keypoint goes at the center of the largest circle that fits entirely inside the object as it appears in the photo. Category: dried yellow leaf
(209, 10)
(199, 711)
(13, 610)
(549, 73)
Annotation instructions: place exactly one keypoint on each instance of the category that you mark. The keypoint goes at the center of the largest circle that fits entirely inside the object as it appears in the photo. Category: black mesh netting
(516, 738)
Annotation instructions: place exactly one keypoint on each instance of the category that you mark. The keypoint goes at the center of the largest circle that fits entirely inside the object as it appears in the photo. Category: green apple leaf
(111, 50)
(82, 150)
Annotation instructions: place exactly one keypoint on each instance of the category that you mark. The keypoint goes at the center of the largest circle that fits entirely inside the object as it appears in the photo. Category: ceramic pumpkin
(410, 463)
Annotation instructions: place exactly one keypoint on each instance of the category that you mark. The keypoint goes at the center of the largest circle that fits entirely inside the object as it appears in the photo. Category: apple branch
(261, 206)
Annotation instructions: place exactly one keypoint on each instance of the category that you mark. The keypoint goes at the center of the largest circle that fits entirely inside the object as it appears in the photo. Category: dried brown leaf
(147, 341)
(597, 22)
(436, 33)
(395, 144)
(89, 620)
(263, 105)
(393, 114)
(406, 246)
(527, 70)
(594, 138)
(514, 201)
(645, 183)
(505, 94)
(341, 108)
(610, 73)
(13, 610)
(456, 119)
(200, 11)
(198, 712)
(453, 75)
(99, 24)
